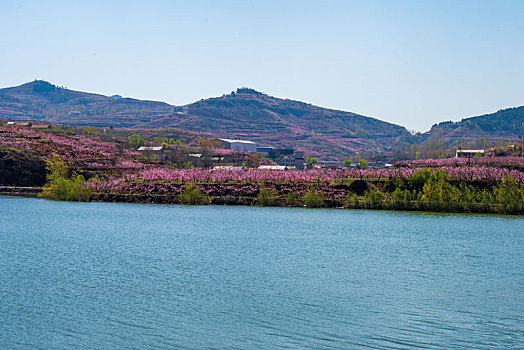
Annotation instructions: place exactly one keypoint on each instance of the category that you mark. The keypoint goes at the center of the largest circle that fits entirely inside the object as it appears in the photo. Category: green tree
(352, 200)
(310, 161)
(362, 164)
(509, 196)
(192, 195)
(373, 199)
(313, 199)
(347, 163)
(467, 197)
(56, 168)
(159, 140)
(59, 186)
(399, 199)
(253, 161)
(267, 197)
(136, 141)
(204, 143)
(438, 193)
(293, 199)
(485, 200)
(419, 178)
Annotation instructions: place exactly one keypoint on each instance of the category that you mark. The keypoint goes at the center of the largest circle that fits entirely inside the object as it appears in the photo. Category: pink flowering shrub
(240, 175)
(248, 182)
(455, 162)
(483, 173)
(80, 151)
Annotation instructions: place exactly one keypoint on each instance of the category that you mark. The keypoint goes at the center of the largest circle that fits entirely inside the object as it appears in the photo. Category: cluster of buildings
(284, 157)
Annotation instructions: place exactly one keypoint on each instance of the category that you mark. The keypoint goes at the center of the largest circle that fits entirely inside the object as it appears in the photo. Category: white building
(150, 149)
(468, 153)
(239, 145)
(152, 152)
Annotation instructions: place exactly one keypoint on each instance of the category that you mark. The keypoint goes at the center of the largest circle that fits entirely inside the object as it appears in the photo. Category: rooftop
(145, 148)
(470, 151)
(237, 141)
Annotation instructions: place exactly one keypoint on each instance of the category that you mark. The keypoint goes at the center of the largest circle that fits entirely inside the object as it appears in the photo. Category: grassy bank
(434, 193)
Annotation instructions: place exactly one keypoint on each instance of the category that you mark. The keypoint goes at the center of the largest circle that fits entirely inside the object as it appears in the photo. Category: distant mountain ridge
(505, 123)
(41, 100)
(268, 120)
(246, 113)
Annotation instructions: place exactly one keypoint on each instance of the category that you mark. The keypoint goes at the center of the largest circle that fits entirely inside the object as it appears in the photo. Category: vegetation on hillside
(116, 171)
(326, 134)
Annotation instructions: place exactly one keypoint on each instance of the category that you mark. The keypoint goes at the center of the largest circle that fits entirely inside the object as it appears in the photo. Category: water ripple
(102, 275)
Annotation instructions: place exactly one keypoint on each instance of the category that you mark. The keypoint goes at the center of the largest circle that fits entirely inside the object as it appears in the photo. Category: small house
(228, 167)
(468, 153)
(26, 124)
(152, 151)
(239, 145)
(273, 167)
(41, 126)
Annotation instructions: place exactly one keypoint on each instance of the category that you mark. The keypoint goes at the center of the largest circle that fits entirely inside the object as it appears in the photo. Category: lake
(109, 276)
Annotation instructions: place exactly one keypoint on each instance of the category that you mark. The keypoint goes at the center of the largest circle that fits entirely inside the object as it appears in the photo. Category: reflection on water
(103, 275)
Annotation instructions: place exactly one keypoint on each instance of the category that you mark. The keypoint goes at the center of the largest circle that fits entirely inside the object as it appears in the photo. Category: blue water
(110, 276)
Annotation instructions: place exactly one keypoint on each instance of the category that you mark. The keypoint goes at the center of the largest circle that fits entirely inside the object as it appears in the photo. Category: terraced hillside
(506, 123)
(326, 133)
(245, 113)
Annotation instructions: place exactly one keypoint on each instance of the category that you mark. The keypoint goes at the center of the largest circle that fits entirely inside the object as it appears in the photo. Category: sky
(413, 63)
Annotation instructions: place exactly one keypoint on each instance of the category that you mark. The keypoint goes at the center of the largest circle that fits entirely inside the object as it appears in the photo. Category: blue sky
(413, 63)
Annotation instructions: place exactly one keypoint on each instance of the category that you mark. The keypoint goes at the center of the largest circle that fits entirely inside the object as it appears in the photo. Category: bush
(267, 197)
(485, 200)
(373, 199)
(419, 178)
(192, 195)
(352, 200)
(399, 199)
(313, 199)
(293, 200)
(59, 187)
(509, 196)
(362, 164)
(136, 141)
(438, 193)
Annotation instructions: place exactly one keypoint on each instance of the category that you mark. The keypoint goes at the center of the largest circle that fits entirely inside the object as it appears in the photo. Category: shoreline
(20, 191)
(172, 199)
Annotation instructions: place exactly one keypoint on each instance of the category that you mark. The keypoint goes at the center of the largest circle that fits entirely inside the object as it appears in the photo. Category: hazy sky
(413, 63)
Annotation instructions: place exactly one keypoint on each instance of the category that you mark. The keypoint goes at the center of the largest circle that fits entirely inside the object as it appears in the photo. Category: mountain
(40, 100)
(272, 121)
(246, 113)
(506, 124)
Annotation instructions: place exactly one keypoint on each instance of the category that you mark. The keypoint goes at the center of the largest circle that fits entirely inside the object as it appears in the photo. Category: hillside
(246, 113)
(40, 100)
(506, 123)
(268, 120)
(325, 133)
